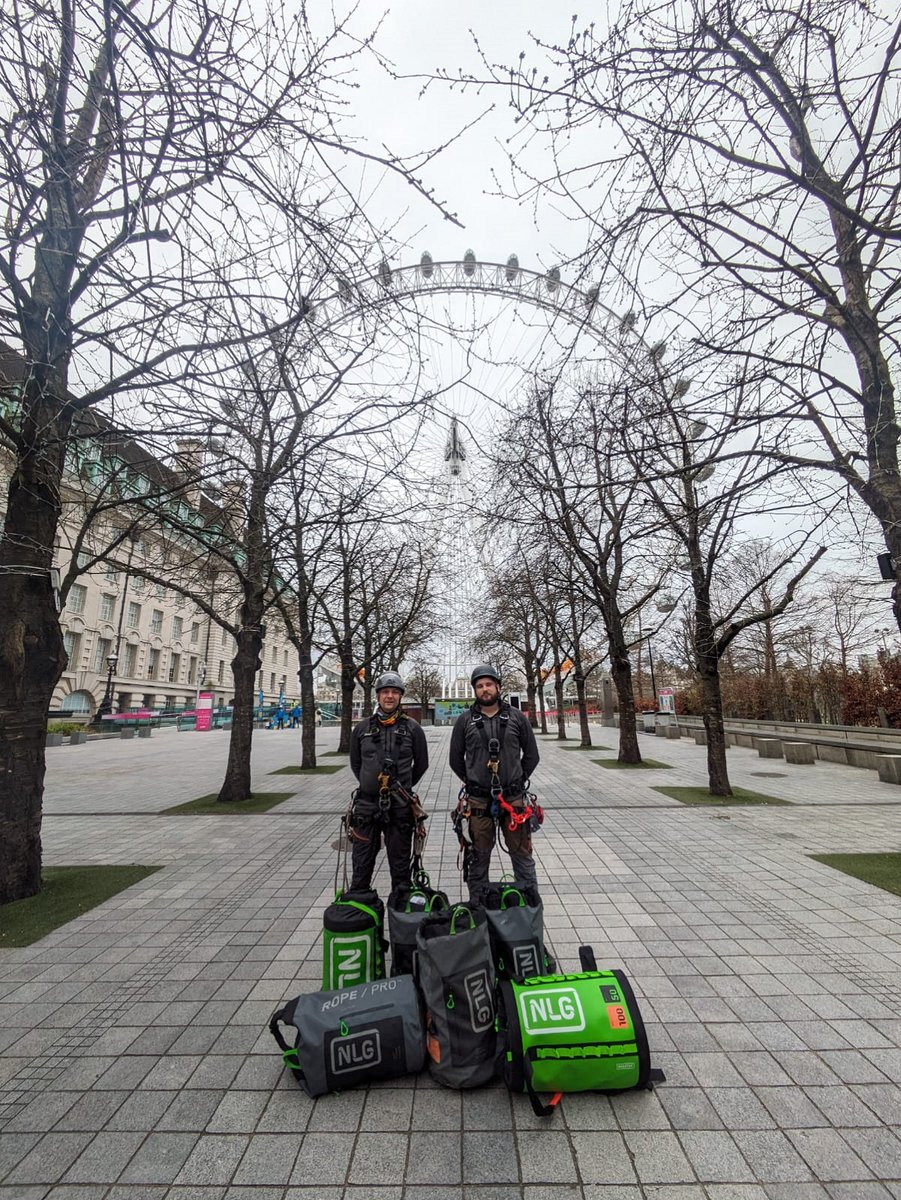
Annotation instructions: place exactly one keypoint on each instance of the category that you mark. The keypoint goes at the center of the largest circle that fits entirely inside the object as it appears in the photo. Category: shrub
(65, 727)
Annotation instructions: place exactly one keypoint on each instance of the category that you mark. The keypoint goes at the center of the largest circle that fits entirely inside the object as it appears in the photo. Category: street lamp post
(106, 704)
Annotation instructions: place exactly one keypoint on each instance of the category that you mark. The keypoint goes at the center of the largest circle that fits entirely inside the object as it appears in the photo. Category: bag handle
(512, 891)
(441, 901)
(460, 908)
(364, 908)
(289, 1053)
(539, 1109)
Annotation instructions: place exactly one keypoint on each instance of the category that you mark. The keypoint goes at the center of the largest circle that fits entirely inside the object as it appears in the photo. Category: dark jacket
(371, 743)
(469, 749)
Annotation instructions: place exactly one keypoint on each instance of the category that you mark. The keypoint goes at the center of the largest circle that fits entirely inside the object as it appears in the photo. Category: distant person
(493, 750)
(389, 756)
(280, 717)
(318, 716)
(296, 716)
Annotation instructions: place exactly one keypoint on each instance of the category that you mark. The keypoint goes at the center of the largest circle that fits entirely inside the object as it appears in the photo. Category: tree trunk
(531, 697)
(711, 696)
(245, 664)
(621, 673)
(31, 652)
(308, 705)
(561, 715)
(582, 703)
(348, 683)
(543, 702)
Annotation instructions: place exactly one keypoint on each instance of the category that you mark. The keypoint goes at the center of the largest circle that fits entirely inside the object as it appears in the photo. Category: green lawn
(67, 892)
(334, 754)
(700, 795)
(323, 769)
(260, 802)
(647, 764)
(584, 748)
(882, 869)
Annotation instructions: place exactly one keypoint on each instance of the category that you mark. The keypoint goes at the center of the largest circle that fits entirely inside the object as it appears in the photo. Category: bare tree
(742, 161)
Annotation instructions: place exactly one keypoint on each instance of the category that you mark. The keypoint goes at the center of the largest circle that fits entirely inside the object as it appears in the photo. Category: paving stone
(689, 1108)
(387, 1109)
(489, 1159)
(141, 1111)
(268, 1159)
(48, 1159)
(93, 1110)
(160, 1158)
(338, 1113)
(715, 1157)
(880, 1149)
(546, 1157)
(658, 1157)
(434, 1158)
(603, 1158)
(438, 1110)
(773, 1158)
(237, 1112)
(213, 1159)
(323, 1159)
(189, 1111)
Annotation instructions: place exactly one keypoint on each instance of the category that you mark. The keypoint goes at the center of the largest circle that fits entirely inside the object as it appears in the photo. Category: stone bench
(700, 737)
(889, 768)
(673, 731)
(145, 731)
(800, 753)
(78, 739)
(126, 734)
(768, 747)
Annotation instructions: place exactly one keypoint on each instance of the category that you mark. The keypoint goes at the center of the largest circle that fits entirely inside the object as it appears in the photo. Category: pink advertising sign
(204, 711)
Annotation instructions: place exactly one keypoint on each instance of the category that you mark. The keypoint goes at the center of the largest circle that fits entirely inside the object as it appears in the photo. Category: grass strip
(647, 764)
(701, 796)
(324, 769)
(259, 802)
(882, 869)
(335, 754)
(67, 893)
(584, 748)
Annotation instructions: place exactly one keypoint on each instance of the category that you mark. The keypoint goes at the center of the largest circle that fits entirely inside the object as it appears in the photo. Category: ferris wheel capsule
(469, 263)
(552, 279)
(512, 268)
(385, 274)
(426, 265)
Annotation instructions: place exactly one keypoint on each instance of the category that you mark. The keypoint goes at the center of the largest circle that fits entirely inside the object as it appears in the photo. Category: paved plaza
(136, 1063)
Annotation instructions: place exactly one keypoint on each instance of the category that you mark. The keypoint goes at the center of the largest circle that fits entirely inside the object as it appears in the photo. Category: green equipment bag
(353, 944)
(516, 926)
(408, 907)
(573, 1033)
(455, 972)
(353, 1037)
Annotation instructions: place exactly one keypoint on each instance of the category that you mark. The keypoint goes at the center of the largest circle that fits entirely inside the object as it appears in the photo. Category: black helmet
(390, 679)
(485, 671)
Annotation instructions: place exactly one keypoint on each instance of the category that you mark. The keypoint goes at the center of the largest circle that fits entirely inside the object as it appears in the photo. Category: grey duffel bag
(516, 927)
(353, 1037)
(456, 974)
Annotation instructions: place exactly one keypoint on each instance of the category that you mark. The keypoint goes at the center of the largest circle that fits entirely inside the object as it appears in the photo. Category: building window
(107, 606)
(153, 664)
(112, 575)
(77, 595)
(195, 632)
(101, 650)
(70, 644)
(192, 670)
(156, 621)
(160, 592)
(174, 668)
(130, 665)
(285, 659)
(134, 615)
(224, 637)
(178, 626)
(272, 682)
(221, 674)
(83, 558)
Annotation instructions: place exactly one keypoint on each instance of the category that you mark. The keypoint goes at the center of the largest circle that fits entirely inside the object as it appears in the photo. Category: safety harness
(499, 808)
(389, 789)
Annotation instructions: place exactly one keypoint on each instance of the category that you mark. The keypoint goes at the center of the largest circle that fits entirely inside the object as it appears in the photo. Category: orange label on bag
(618, 1017)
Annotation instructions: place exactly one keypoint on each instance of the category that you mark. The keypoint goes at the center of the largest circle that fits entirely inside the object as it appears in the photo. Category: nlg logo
(481, 1002)
(358, 1050)
(551, 1010)
(350, 960)
(525, 961)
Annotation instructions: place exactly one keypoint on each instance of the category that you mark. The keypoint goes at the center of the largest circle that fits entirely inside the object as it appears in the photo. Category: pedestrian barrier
(799, 753)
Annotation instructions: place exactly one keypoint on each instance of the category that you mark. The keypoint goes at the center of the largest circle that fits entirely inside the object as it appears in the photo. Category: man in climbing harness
(388, 755)
(493, 750)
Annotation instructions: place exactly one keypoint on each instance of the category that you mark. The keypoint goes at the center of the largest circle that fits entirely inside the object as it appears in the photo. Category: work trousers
(483, 833)
(371, 825)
